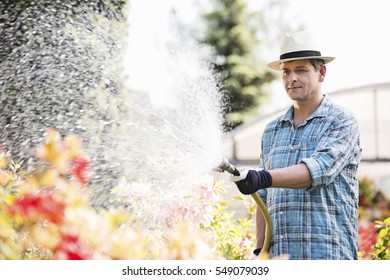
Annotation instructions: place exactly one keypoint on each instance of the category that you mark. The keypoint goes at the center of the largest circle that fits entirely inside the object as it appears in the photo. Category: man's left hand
(252, 180)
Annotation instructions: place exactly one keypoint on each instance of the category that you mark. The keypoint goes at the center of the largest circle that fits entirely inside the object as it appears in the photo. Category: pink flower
(80, 170)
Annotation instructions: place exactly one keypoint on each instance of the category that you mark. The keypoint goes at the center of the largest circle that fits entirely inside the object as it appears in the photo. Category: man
(310, 156)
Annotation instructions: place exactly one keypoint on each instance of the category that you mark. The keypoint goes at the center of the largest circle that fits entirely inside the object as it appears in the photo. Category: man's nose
(292, 77)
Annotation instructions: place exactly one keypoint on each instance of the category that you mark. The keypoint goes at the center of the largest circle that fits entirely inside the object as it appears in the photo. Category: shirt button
(281, 212)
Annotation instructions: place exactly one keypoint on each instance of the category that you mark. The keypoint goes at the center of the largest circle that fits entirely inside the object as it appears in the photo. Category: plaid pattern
(319, 222)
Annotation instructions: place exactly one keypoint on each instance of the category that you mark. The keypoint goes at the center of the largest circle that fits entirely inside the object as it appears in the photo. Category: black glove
(257, 251)
(254, 181)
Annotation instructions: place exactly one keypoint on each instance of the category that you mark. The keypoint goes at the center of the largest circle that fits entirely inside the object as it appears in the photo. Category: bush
(382, 245)
(46, 214)
(374, 210)
(234, 237)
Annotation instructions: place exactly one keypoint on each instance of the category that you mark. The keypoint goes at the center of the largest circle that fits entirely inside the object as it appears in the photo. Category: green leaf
(383, 233)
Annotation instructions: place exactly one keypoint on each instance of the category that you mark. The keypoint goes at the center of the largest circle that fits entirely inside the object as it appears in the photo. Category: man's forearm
(293, 177)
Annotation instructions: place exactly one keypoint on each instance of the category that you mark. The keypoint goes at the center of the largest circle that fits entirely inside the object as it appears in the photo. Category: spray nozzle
(227, 166)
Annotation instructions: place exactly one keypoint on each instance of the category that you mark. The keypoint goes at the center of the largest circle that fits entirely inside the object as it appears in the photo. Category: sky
(354, 31)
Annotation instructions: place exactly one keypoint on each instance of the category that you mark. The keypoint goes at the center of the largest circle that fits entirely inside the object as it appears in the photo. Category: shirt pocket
(277, 157)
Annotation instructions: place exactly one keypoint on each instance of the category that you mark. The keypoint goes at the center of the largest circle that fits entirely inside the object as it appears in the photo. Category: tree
(232, 34)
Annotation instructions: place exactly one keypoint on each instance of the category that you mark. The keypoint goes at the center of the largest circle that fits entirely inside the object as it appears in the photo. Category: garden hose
(268, 224)
(227, 166)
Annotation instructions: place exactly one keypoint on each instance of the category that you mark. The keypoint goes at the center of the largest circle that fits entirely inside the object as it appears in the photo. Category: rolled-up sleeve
(337, 148)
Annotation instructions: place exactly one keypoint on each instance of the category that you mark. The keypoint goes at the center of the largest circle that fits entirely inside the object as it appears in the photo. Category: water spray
(227, 166)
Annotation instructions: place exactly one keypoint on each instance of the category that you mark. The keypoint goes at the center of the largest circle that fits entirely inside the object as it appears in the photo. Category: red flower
(72, 248)
(42, 204)
(80, 170)
(368, 235)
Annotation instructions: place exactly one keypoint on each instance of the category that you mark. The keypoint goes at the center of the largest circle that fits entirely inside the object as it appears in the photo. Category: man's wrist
(267, 179)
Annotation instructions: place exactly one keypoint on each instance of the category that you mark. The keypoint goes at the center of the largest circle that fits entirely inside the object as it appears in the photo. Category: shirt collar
(321, 111)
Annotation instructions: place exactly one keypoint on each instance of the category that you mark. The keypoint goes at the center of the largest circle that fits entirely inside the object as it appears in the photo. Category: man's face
(300, 79)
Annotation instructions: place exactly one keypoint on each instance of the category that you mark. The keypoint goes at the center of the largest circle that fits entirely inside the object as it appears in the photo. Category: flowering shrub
(46, 214)
(202, 206)
(234, 237)
(374, 240)
(382, 244)
(374, 208)
(368, 235)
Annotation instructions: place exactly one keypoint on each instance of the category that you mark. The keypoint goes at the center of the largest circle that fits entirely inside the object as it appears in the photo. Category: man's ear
(322, 73)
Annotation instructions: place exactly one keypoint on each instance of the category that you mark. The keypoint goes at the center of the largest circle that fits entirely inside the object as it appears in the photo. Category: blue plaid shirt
(321, 221)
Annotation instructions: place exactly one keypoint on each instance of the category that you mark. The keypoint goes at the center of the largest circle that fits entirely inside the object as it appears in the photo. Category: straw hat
(299, 45)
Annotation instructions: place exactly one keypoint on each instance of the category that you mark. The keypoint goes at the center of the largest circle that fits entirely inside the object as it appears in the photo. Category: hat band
(299, 54)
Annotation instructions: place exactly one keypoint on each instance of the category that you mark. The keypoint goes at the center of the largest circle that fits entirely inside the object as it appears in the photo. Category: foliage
(368, 235)
(46, 214)
(373, 204)
(374, 240)
(366, 192)
(105, 7)
(231, 32)
(374, 210)
(382, 245)
(234, 236)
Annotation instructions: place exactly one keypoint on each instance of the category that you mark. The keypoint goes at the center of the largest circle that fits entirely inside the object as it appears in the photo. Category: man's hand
(243, 173)
(252, 180)
(257, 251)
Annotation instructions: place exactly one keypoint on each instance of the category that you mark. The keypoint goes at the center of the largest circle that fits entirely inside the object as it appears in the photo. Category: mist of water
(62, 67)
(180, 136)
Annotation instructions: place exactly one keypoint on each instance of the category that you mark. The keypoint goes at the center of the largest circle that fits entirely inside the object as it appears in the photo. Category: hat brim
(276, 64)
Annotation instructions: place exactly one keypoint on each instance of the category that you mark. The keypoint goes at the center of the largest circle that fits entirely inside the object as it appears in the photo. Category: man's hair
(317, 63)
